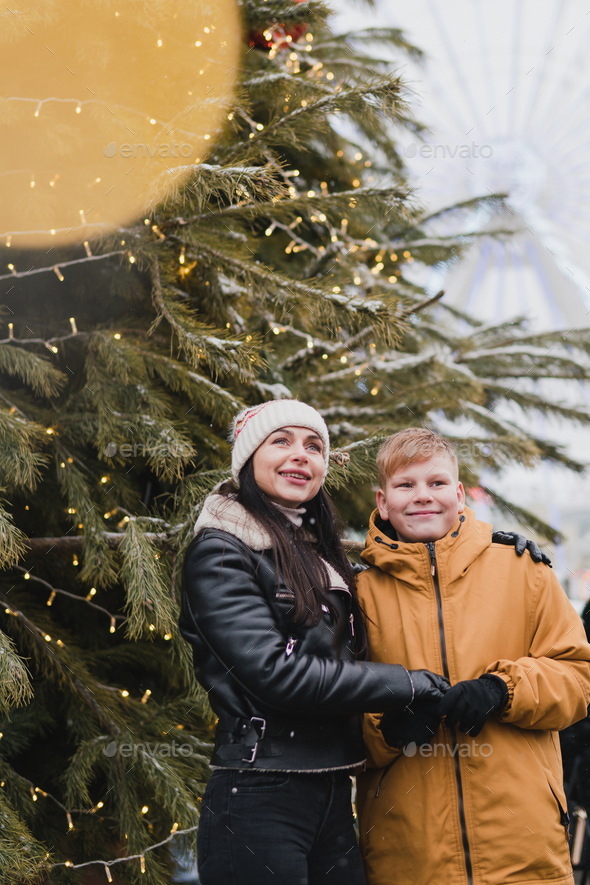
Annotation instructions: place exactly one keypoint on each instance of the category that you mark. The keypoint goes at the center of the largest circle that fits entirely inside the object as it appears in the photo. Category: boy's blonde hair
(410, 447)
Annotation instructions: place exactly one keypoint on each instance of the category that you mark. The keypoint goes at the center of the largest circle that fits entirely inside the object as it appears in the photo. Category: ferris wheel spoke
(529, 111)
(461, 76)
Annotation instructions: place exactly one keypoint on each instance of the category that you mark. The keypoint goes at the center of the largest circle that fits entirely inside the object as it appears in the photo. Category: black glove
(427, 686)
(416, 724)
(520, 544)
(469, 704)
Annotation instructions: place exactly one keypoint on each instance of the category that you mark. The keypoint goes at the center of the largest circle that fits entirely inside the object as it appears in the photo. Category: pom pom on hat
(253, 425)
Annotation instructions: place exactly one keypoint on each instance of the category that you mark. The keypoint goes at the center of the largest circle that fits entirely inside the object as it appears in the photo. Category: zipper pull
(289, 648)
(351, 619)
(432, 552)
(432, 569)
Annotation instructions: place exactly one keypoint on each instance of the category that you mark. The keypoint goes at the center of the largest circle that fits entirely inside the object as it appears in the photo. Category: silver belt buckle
(254, 719)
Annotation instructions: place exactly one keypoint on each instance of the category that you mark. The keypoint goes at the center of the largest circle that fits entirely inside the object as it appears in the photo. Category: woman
(269, 607)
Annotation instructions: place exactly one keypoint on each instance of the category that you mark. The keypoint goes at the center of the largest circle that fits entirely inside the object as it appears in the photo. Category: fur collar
(228, 515)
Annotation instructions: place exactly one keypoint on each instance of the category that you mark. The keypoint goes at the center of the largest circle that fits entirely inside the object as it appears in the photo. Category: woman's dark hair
(300, 564)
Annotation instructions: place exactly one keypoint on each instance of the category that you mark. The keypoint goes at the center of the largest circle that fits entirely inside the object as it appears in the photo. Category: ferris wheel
(505, 94)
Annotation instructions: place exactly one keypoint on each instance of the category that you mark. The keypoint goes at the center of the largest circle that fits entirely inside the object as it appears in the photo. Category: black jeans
(259, 827)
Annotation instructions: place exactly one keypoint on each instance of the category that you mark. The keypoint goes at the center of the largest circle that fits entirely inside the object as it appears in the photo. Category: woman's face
(289, 465)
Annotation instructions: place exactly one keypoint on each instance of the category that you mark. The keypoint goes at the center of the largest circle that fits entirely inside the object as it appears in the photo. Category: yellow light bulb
(145, 809)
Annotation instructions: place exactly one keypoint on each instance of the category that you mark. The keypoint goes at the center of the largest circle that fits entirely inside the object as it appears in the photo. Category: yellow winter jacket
(489, 810)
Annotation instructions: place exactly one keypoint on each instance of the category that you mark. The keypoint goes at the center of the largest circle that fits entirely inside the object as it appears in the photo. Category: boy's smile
(422, 500)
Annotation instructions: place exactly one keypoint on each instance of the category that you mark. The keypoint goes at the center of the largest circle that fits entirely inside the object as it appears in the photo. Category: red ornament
(279, 34)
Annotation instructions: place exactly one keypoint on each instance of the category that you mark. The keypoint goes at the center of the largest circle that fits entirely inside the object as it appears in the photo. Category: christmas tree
(284, 267)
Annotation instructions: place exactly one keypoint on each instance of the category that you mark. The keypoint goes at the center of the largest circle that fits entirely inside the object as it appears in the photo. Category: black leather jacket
(287, 697)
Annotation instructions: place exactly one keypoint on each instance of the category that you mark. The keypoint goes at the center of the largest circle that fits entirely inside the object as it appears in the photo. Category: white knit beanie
(253, 425)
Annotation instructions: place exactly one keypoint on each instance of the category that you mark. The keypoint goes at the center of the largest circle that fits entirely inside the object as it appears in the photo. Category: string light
(181, 258)
(75, 560)
(8, 241)
(51, 598)
(117, 335)
(393, 279)
(27, 576)
(144, 699)
(87, 247)
(108, 873)
(124, 693)
(73, 325)
(91, 594)
(145, 809)
(70, 822)
(11, 268)
(10, 331)
(142, 863)
(113, 625)
(167, 636)
(407, 254)
(58, 273)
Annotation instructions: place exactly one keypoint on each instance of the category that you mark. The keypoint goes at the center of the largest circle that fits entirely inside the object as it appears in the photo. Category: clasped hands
(466, 705)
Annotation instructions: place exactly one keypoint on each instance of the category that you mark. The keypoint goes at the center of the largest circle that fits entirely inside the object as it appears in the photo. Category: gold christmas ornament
(105, 107)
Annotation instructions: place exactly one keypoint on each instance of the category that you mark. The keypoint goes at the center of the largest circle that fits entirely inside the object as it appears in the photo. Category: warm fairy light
(343, 359)
(145, 809)
(60, 643)
(10, 329)
(374, 391)
(167, 635)
(336, 289)
(393, 256)
(207, 31)
(181, 257)
(124, 693)
(152, 627)
(91, 594)
(407, 253)
(309, 37)
(51, 598)
(52, 231)
(324, 356)
(68, 863)
(78, 109)
(11, 268)
(131, 259)
(104, 479)
(117, 335)
(310, 343)
(108, 873)
(311, 193)
(27, 576)
(58, 273)
(276, 330)
(71, 510)
(159, 42)
(142, 863)
(260, 127)
(49, 430)
(144, 699)
(357, 371)
(75, 560)
(339, 153)
(47, 637)
(73, 325)
(113, 626)
(32, 184)
(357, 281)
(356, 182)
(393, 279)
(8, 240)
(152, 121)
(100, 805)
(198, 43)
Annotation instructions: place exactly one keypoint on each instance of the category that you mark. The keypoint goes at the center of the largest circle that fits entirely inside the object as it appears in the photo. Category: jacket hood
(227, 515)
(410, 562)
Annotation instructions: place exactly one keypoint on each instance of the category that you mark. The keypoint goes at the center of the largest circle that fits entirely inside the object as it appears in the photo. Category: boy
(475, 796)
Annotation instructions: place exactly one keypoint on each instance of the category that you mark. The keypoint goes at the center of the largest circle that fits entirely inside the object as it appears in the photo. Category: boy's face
(422, 500)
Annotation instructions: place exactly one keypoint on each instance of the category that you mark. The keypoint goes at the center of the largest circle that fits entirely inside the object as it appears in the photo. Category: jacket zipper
(290, 646)
(443, 648)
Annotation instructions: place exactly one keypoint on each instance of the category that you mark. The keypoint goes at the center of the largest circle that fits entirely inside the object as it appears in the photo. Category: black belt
(251, 731)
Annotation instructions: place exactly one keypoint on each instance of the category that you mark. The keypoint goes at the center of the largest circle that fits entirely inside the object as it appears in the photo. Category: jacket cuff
(510, 686)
